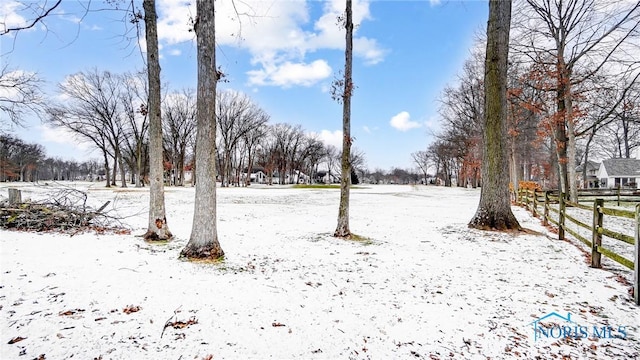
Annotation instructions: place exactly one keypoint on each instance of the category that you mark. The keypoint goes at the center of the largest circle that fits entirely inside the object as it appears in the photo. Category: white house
(592, 175)
(619, 173)
(326, 177)
(257, 175)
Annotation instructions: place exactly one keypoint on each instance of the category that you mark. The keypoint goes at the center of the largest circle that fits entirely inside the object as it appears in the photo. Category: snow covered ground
(424, 286)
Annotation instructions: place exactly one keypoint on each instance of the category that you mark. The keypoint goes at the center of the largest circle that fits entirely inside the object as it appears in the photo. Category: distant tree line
(109, 112)
(22, 161)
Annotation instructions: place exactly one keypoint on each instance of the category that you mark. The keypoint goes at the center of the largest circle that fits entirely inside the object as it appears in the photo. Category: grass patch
(322, 186)
(158, 242)
(361, 239)
(219, 262)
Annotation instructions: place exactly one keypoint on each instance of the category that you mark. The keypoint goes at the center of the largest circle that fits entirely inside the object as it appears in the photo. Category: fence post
(636, 260)
(618, 192)
(562, 208)
(545, 222)
(535, 204)
(596, 238)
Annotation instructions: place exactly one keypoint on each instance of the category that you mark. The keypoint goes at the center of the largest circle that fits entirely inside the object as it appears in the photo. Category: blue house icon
(538, 329)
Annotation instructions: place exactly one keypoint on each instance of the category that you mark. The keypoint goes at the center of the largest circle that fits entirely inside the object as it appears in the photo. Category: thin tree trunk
(138, 165)
(571, 144)
(494, 210)
(203, 243)
(158, 228)
(342, 230)
(114, 174)
(123, 180)
(106, 168)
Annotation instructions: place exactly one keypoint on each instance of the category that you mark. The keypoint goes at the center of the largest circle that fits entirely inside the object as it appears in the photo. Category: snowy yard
(424, 286)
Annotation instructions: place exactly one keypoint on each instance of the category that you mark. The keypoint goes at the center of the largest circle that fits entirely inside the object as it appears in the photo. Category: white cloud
(403, 122)
(366, 129)
(175, 52)
(289, 74)
(9, 16)
(331, 138)
(59, 135)
(277, 34)
(369, 50)
(434, 2)
(174, 20)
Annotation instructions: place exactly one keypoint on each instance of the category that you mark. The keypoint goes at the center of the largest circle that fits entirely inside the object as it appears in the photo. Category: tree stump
(15, 196)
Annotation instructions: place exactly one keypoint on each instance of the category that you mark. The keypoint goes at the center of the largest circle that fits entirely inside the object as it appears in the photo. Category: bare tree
(179, 123)
(252, 139)
(422, 161)
(332, 158)
(494, 209)
(342, 229)
(19, 94)
(236, 116)
(92, 112)
(134, 97)
(575, 39)
(203, 242)
(19, 161)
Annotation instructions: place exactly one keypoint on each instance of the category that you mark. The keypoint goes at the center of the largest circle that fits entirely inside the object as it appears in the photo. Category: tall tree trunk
(106, 168)
(342, 230)
(123, 177)
(203, 243)
(114, 174)
(494, 210)
(560, 130)
(158, 228)
(138, 164)
(571, 144)
(513, 167)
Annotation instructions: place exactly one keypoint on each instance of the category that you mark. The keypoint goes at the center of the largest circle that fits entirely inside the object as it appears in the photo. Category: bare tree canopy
(20, 94)
(571, 42)
(35, 11)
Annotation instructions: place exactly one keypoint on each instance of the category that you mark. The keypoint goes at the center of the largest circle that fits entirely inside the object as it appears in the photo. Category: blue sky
(286, 57)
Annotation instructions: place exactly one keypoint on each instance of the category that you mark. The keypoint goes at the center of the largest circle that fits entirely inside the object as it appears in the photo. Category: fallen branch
(64, 211)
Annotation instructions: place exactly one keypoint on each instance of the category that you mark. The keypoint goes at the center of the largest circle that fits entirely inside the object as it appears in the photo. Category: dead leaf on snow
(182, 324)
(277, 324)
(15, 340)
(131, 309)
(70, 312)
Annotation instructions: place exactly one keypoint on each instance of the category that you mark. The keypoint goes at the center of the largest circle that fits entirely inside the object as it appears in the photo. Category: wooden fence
(543, 203)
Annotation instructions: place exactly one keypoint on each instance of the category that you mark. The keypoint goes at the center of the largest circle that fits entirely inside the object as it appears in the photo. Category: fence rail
(532, 200)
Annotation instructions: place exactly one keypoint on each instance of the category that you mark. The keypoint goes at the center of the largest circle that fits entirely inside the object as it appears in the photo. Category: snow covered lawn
(423, 286)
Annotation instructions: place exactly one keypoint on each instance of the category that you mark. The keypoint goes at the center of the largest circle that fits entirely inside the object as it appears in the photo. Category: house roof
(622, 167)
(591, 166)
(256, 169)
